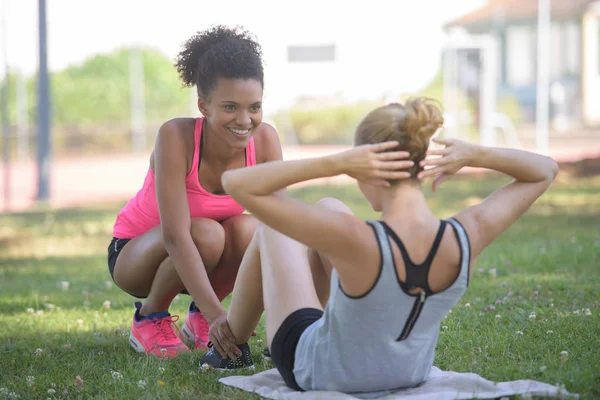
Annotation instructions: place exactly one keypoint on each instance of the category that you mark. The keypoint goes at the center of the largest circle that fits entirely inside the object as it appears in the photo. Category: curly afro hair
(219, 52)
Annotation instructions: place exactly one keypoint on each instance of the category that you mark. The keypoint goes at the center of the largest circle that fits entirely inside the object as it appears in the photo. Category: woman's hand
(454, 156)
(368, 163)
(222, 338)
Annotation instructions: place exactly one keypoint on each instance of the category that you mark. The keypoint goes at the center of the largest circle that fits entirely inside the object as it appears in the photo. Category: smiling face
(233, 110)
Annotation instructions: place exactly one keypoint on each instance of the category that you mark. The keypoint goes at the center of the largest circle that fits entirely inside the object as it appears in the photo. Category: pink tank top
(141, 214)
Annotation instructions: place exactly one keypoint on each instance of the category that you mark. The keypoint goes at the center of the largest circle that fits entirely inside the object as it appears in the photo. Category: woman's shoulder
(178, 129)
(266, 141)
(178, 126)
(175, 134)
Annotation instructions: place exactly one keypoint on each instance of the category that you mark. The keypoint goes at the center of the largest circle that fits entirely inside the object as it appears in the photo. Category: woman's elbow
(230, 183)
(554, 168)
(173, 238)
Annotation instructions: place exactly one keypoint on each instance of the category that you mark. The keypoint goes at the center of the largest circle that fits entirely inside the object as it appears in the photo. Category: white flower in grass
(30, 310)
(498, 316)
(51, 391)
(532, 315)
(519, 333)
(39, 312)
(588, 312)
(492, 272)
(49, 306)
(444, 327)
(30, 380)
(108, 284)
(205, 367)
(64, 285)
(543, 368)
(106, 304)
(80, 322)
(564, 355)
(161, 370)
(549, 332)
(259, 342)
(468, 306)
(38, 352)
(141, 384)
(12, 395)
(116, 375)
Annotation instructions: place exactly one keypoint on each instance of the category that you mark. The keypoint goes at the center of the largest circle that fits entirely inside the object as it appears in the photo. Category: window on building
(317, 53)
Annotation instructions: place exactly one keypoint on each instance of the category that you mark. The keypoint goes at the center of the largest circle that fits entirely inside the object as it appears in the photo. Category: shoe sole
(250, 368)
(135, 344)
(187, 333)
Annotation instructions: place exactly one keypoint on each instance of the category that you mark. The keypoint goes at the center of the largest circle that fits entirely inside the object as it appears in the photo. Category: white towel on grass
(440, 385)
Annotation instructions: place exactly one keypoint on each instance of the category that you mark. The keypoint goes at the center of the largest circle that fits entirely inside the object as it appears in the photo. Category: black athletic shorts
(114, 248)
(285, 341)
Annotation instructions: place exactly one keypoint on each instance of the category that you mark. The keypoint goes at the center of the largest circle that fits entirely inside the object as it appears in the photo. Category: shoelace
(203, 329)
(165, 327)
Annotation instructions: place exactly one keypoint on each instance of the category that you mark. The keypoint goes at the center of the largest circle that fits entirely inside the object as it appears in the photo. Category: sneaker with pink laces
(196, 327)
(154, 334)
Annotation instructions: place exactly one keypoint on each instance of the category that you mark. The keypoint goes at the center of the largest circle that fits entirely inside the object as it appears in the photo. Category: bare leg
(144, 269)
(238, 234)
(277, 266)
(247, 303)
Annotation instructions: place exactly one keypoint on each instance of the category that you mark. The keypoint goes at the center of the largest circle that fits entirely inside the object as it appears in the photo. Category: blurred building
(574, 54)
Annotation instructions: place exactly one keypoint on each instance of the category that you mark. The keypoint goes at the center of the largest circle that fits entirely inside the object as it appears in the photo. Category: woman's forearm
(521, 165)
(190, 268)
(270, 177)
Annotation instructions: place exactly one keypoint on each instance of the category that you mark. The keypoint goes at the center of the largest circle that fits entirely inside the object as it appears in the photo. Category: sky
(381, 42)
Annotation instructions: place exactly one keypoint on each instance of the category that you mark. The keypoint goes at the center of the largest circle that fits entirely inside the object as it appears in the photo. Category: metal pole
(44, 145)
(543, 77)
(4, 111)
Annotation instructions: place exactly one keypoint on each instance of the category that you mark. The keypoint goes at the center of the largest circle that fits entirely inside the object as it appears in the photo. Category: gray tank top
(386, 338)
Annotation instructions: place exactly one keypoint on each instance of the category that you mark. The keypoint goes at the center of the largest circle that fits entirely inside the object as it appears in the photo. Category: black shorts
(285, 341)
(114, 248)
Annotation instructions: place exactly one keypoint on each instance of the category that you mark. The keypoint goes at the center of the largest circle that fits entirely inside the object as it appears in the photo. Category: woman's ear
(202, 106)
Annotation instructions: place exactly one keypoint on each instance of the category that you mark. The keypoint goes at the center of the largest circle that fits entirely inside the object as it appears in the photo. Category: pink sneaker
(195, 329)
(154, 335)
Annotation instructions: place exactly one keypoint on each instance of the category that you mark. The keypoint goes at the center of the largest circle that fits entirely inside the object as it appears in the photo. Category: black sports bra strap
(407, 261)
(436, 244)
(417, 274)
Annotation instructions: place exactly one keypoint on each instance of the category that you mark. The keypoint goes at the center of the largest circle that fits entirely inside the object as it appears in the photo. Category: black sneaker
(266, 354)
(214, 360)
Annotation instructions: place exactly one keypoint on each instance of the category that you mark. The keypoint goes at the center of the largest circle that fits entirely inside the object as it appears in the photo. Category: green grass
(546, 264)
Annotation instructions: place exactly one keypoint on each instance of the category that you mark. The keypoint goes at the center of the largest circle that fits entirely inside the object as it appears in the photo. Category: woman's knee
(209, 237)
(331, 203)
(240, 229)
